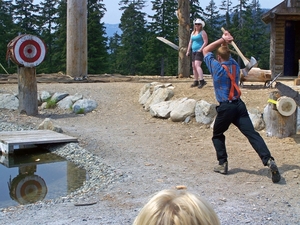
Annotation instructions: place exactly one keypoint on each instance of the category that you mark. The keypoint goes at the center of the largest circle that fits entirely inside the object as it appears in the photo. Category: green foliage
(136, 51)
(160, 58)
(130, 52)
(51, 104)
(80, 111)
(97, 42)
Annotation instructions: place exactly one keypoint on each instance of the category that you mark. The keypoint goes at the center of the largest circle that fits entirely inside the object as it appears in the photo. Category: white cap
(199, 21)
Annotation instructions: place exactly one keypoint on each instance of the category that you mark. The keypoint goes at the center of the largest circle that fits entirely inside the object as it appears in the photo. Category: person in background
(197, 42)
(225, 72)
(175, 207)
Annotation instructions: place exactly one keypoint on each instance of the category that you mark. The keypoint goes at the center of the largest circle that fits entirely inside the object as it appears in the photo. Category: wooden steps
(11, 140)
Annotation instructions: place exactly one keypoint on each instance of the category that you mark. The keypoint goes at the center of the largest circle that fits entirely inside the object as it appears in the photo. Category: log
(278, 125)
(256, 75)
(289, 92)
(27, 88)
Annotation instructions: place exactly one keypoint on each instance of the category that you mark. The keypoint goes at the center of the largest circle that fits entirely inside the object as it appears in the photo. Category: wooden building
(285, 37)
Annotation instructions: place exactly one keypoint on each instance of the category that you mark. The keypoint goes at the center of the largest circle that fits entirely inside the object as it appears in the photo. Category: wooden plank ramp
(10, 140)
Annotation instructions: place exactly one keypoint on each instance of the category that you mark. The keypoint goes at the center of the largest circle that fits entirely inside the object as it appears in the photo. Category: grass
(51, 104)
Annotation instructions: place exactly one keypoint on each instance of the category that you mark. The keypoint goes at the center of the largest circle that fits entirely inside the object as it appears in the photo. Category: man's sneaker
(195, 84)
(222, 168)
(274, 171)
(202, 83)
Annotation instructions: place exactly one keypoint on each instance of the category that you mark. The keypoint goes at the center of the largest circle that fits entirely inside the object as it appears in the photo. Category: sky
(113, 14)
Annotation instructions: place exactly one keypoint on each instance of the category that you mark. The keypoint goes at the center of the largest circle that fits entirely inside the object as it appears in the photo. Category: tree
(213, 21)
(131, 53)
(255, 37)
(6, 20)
(97, 41)
(59, 43)
(164, 23)
(48, 16)
(26, 16)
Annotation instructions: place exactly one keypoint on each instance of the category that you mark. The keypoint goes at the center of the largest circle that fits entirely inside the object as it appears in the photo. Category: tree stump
(27, 88)
(278, 125)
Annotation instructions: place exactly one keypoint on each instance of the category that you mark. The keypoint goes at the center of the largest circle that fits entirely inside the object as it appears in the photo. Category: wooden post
(77, 38)
(27, 88)
(183, 14)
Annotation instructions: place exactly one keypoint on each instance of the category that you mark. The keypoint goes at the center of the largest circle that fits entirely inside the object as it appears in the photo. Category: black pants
(236, 112)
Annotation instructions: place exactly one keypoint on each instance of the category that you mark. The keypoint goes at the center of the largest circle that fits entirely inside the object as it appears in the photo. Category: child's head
(173, 207)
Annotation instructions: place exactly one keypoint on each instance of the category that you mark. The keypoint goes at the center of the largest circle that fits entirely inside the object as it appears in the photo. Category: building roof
(287, 7)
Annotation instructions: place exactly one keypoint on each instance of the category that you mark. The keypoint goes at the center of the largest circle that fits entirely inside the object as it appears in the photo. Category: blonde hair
(224, 52)
(173, 207)
(194, 30)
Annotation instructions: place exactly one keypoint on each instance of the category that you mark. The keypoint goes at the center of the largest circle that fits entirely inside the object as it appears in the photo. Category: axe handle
(245, 60)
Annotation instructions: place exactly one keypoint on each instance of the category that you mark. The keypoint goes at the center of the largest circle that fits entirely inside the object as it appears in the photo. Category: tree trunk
(27, 87)
(276, 124)
(184, 37)
(77, 38)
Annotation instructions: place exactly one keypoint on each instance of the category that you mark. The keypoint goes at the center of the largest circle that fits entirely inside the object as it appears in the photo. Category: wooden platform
(11, 140)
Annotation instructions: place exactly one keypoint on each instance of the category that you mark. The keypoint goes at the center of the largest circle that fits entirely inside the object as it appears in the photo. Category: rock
(84, 106)
(68, 101)
(159, 95)
(8, 101)
(48, 124)
(183, 110)
(45, 95)
(58, 96)
(205, 112)
(256, 119)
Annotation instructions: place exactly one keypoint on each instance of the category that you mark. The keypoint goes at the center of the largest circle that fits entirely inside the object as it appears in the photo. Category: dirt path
(154, 154)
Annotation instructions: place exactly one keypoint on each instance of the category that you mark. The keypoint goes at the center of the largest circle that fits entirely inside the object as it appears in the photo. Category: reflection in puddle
(31, 175)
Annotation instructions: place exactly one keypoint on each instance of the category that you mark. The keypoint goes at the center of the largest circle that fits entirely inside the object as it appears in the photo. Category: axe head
(249, 66)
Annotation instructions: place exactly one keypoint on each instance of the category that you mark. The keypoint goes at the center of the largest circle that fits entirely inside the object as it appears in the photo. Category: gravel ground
(129, 156)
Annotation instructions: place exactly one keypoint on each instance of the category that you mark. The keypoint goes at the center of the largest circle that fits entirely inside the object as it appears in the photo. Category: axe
(168, 43)
(248, 64)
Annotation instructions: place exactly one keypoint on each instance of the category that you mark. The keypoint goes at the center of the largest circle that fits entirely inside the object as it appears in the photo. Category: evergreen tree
(196, 11)
(59, 43)
(131, 52)
(26, 17)
(6, 35)
(226, 6)
(113, 46)
(48, 16)
(97, 41)
(255, 39)
(213, 21)
(161, 58)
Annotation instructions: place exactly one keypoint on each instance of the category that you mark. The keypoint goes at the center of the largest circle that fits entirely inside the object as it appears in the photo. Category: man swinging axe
(225, 72)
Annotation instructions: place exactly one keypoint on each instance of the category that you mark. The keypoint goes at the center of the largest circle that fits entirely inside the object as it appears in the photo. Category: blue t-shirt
(197, 42)
(222, 82)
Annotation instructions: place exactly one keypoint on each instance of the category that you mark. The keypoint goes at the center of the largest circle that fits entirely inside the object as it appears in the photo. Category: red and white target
(30, 189)
(27, 50)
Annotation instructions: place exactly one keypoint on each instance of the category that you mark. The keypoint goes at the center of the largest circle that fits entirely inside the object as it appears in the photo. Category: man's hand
(227, 37)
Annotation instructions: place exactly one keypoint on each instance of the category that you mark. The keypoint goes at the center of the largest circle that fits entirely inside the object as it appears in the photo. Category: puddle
(31, 175)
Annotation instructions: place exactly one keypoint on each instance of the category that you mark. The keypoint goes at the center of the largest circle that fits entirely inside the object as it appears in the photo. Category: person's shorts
(197, 56)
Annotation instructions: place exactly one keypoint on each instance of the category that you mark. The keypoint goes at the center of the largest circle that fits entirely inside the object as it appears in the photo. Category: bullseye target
(30, 189)
(27, 50)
